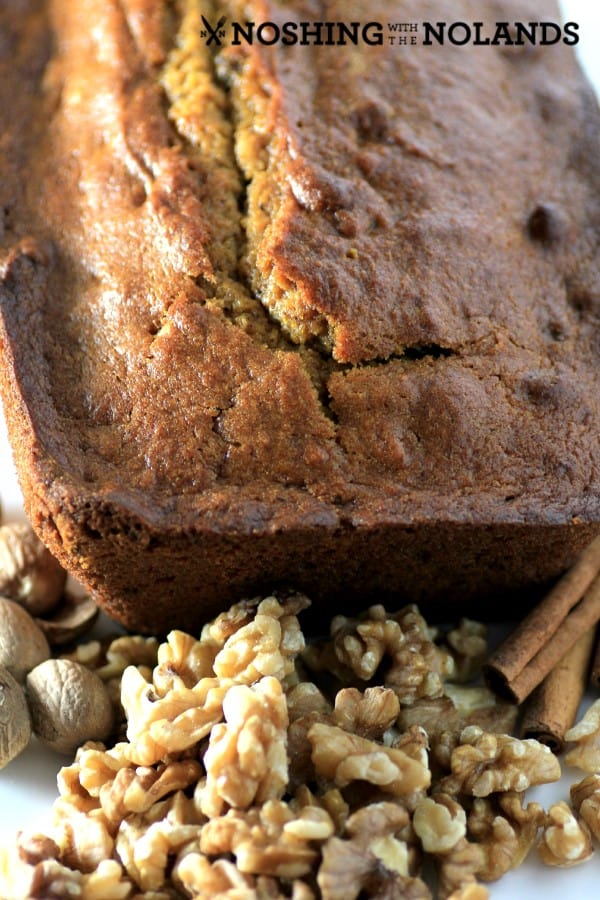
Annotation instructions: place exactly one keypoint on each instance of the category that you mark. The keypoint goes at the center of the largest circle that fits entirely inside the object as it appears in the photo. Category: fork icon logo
(213, 34)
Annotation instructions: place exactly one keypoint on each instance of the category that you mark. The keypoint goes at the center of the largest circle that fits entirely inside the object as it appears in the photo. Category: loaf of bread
(322, 316)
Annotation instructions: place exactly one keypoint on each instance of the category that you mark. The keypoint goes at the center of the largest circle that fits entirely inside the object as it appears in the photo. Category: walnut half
(440, 822)
(246, 760)
(565, 841)
(585, 797)
(585, 734)
(343, 757)
(485, 763)
(505, 830)
(374, 861)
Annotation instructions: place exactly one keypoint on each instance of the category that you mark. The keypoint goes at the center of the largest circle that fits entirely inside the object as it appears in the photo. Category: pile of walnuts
(245, 764)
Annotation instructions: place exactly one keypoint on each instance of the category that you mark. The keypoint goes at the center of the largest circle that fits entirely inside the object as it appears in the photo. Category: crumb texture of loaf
(303, 313)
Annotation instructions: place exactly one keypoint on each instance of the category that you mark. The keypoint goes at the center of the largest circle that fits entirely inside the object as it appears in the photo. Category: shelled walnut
(371, 858)
(585, 735)
(468, 645)
(342, 758)
(367, 714)
(246, 760)
(585, 797)
(458, 868)
(566, 840)
(506, 831)
(485, 763)
(440, 822)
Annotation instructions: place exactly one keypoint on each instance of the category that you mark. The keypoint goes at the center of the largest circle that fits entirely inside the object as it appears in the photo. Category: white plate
(28, 784)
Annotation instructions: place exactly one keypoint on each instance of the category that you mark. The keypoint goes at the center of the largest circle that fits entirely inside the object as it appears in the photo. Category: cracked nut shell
(29, 574)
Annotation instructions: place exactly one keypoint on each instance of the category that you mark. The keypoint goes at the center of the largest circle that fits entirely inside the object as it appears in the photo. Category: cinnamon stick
(570, 609)
(595, 670)
(552, 707)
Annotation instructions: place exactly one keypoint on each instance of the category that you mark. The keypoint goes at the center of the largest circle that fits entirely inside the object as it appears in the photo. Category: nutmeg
(22, 643)
(69, 705)
(15, 723)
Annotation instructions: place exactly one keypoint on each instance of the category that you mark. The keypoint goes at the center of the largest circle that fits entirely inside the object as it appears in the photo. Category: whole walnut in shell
(29, 573)
(22, 642)
(69, 705)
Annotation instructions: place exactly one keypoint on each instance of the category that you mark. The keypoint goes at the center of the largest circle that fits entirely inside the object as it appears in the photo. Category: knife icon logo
(213, 34)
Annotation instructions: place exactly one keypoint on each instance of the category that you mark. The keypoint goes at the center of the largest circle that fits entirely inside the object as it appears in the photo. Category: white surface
(28, 785)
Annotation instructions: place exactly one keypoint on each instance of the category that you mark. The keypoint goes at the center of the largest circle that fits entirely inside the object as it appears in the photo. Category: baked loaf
(311, 316)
